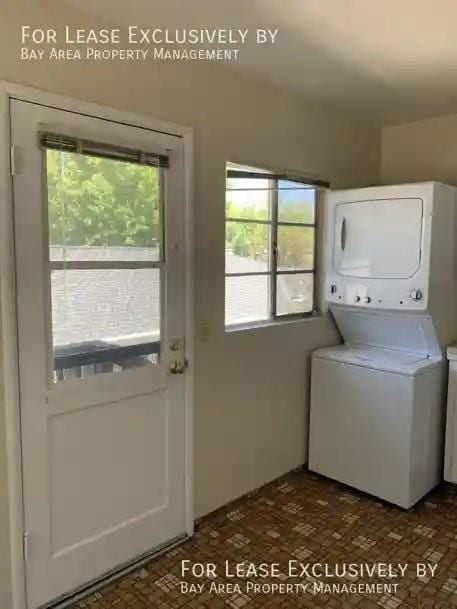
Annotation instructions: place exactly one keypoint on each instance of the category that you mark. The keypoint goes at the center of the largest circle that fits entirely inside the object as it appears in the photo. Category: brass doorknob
(177, 367)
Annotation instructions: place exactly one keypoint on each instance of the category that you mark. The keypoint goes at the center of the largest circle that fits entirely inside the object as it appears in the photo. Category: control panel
(376, 295)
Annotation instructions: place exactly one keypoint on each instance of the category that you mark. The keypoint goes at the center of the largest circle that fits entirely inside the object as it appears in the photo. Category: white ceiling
(391, 60)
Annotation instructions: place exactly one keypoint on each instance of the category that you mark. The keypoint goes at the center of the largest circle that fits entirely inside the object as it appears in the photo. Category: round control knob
(357, 299)
(415, 295)
(366, 299)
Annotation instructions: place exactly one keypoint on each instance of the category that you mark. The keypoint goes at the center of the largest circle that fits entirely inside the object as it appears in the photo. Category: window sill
(271, 323)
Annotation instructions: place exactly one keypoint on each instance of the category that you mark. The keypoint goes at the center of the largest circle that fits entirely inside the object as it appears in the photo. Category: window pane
(295, 203)
(247, 183)
(101, 209)
(247, 198)
(104, 320)
(294, 293)
(246, 299)
(246, 247)
(295, 248)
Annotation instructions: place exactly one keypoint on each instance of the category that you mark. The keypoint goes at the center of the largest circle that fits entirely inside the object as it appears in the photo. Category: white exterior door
(99, 232)
(379, 239)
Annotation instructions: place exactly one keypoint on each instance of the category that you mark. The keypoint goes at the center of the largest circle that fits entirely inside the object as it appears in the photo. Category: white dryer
(377, 401)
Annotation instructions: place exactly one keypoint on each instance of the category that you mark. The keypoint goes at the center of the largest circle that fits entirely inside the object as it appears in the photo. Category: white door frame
(8, 311)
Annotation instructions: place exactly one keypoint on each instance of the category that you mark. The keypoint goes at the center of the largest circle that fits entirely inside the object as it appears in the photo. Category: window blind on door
(65, 143)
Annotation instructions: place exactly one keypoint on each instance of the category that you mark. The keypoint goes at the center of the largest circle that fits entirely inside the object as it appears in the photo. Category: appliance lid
(391, 330)
(410, 364)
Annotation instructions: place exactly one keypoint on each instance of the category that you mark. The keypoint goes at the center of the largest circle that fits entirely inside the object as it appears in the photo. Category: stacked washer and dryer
(378, 400)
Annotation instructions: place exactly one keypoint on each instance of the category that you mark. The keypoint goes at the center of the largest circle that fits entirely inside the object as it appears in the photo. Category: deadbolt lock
(175, 344)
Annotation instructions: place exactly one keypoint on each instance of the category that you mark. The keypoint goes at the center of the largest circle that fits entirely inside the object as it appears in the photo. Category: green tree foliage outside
(246, 239)
(94, 201)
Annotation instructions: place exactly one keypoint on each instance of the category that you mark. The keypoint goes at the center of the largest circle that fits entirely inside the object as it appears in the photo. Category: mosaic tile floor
(313, 522)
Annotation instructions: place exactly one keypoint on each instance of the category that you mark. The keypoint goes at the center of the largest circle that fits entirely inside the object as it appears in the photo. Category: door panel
(103, 420)
(378, 239)
(123, 429)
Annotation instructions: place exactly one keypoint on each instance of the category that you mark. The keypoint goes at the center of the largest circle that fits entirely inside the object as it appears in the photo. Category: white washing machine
(377, 401)
(375, 418)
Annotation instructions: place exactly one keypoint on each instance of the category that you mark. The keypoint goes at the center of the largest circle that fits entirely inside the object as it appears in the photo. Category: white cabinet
(378, 239)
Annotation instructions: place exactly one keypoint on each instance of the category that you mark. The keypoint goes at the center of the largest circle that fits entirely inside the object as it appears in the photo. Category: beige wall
(420, 151)
(251, 386)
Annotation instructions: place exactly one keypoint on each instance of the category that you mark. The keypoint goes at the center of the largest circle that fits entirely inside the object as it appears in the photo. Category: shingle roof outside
(122, 305)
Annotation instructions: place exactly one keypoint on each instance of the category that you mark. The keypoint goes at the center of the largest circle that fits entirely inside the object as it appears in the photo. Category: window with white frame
(270, 245)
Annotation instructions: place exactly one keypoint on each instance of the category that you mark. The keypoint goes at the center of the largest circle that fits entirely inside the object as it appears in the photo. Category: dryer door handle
(343, 234)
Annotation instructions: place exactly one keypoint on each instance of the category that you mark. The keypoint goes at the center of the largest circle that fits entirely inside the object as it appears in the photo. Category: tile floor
(312, 521)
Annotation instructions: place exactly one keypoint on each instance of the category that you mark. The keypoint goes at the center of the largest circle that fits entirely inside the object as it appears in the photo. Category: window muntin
(104, 226)
(270, 246)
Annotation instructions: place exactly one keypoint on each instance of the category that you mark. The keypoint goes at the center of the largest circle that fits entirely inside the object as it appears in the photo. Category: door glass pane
(104, 320)
(103, 213)
(101, 209)
(246, 247)
(246, 299)
(295, 248)
(294, 293)
(247, 198)
(295, 203)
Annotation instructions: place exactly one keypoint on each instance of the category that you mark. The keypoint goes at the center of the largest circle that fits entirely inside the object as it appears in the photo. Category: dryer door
(378, 239)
